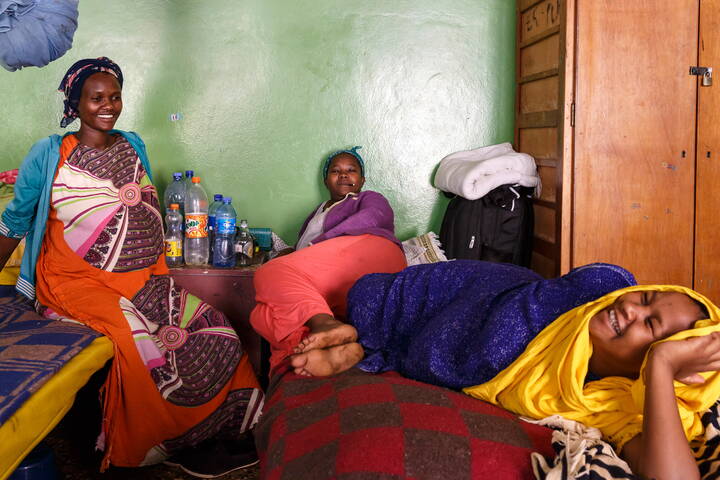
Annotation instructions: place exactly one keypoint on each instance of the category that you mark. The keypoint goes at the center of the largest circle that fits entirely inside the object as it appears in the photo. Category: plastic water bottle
(189, 174)
(174, 236)
(175, 193)
(224, 248)
(244, 244)
(196, 218)
(188, 183)
(217, 203)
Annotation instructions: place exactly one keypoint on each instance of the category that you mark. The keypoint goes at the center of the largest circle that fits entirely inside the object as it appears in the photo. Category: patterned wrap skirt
(179, 374)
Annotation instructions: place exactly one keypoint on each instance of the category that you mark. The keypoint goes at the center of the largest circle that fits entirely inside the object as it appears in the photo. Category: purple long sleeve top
(367, 212)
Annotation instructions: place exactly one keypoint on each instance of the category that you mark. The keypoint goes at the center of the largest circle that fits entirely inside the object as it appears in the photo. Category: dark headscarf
(74, 79)
(353, 152)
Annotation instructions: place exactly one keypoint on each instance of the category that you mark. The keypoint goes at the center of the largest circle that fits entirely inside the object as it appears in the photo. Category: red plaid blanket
(363, 426)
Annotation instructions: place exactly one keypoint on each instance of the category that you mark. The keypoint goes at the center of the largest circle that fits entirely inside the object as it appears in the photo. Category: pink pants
(289, 290)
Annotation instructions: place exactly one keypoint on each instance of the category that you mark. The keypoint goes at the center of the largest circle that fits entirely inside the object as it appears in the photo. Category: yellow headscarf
(548, 378)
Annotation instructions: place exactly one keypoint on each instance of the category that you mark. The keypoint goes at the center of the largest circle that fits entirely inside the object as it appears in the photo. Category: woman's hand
(685, 359)
(661, 451)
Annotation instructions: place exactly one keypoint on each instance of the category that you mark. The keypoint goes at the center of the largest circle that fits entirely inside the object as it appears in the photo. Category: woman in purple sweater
(301, 296)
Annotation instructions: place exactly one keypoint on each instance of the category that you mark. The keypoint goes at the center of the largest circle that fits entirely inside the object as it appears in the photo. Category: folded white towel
(473, 173)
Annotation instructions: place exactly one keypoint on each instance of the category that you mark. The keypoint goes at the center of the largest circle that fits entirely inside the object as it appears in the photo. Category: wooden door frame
(566, 136)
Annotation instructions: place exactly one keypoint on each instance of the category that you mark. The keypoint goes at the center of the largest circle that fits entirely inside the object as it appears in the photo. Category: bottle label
(226, 226)
(245, 248)
(196, 225)
(211, 222)
(173, 248)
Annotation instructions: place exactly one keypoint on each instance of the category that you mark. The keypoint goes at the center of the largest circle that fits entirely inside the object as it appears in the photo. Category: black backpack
(497, 227)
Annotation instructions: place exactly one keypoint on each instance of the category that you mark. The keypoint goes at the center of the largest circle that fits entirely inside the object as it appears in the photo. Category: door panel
(633, 202)
(707, 238)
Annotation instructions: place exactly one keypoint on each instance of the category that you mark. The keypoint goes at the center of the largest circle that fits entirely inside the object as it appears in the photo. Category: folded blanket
(473, 173)
(423, 249)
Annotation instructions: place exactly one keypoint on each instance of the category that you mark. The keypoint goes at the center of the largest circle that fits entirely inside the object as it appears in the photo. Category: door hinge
(572, 114)
(705, 73)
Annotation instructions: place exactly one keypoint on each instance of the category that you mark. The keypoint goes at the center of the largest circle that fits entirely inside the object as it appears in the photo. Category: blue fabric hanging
(35, 32)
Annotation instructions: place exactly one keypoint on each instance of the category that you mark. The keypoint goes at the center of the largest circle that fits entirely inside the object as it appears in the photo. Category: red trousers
(289, 290)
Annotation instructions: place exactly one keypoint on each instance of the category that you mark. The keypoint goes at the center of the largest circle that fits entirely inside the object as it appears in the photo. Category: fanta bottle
(196, 224)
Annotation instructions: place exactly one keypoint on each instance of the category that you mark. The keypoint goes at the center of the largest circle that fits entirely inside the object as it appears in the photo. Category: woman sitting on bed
(590, 346)
(301, 297)
(95, 253)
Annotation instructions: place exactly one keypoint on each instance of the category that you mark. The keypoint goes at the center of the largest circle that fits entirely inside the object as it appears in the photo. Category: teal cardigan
(27, 213)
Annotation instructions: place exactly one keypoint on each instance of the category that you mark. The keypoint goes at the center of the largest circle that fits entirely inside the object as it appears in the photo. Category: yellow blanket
(548, 378)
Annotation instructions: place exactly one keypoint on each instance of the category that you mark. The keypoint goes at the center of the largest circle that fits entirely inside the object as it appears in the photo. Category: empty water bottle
(196, 235)
(175, 192)
(244, 244)
(217, 203)
(173, 236)
(224, 247)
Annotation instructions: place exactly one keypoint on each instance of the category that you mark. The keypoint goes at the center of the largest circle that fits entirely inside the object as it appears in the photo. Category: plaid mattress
(32, 349)
(362, 426)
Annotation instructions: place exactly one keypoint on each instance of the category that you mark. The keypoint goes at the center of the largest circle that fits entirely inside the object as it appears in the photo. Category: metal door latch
(705, 72)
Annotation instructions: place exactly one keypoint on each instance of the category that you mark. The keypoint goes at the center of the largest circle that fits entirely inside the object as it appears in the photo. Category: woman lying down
(637, 362)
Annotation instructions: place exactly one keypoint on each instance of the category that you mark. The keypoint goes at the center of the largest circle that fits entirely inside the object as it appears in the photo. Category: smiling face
(622, 333)
(100, 103)
(344, 176)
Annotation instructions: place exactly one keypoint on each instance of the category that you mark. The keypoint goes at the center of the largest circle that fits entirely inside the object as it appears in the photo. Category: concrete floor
(76, 461)
(73, 441)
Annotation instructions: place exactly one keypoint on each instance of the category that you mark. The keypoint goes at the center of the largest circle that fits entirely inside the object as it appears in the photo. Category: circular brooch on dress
(130, 194)
(172, 337)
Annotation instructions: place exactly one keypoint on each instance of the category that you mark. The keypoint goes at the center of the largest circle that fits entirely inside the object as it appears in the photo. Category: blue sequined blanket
(32, 349)
(459, 323)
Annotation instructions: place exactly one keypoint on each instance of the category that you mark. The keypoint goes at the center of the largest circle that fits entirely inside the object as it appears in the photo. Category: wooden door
(635, 105)
(707, 230)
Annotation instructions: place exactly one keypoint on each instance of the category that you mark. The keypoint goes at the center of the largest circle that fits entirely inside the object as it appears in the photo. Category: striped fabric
(32, 349)
(583, 455)
(707, 453)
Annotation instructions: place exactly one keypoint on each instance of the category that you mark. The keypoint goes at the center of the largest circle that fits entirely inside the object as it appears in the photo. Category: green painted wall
(267, 88)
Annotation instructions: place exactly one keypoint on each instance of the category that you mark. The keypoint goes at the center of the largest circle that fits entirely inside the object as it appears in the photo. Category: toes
(298, 361)
(304, 344)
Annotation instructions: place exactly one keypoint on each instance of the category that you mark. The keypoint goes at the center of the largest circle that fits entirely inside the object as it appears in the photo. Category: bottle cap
(177, 176)
(195, 179)
(174, 206)
(189, 173)
(227, 200)
(218, 197)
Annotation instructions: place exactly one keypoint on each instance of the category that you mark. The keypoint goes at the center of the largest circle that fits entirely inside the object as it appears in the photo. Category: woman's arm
(662, 450)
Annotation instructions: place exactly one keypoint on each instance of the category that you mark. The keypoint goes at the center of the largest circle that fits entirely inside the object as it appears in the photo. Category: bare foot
(325, 332)
(327, 361)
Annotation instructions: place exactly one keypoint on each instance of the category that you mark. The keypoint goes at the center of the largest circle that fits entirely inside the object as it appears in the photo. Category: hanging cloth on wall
(35, 32)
